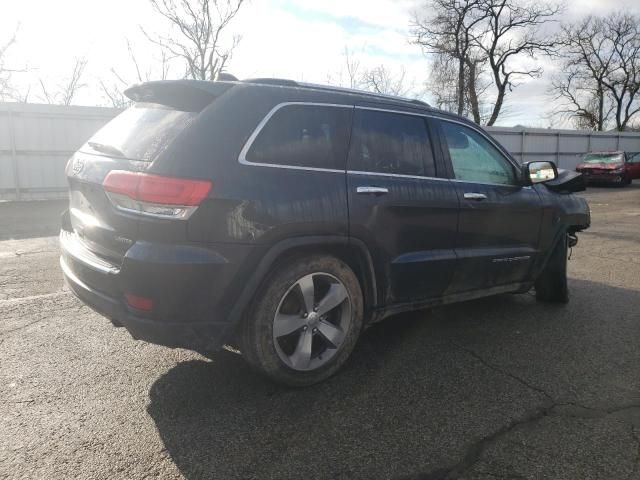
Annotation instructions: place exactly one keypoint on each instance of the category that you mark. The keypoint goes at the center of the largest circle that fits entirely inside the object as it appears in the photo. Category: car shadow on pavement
(418, 396)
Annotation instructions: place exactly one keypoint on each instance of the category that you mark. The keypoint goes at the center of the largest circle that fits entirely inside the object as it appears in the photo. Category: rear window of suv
(312, 136)
(141, 132)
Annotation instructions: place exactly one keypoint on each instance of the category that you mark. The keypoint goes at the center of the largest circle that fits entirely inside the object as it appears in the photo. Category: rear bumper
(188, 311)
(201, 337)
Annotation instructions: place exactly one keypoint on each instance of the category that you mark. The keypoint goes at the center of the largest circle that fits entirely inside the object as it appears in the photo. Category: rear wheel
(551, 285)
(305, 322)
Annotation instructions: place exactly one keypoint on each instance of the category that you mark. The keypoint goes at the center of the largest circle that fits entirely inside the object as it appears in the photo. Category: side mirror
(539, 172)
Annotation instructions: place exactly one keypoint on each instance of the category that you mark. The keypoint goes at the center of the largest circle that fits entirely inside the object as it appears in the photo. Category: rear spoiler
(188, 95)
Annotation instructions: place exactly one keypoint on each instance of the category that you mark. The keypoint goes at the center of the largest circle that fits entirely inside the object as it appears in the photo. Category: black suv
(283, 218)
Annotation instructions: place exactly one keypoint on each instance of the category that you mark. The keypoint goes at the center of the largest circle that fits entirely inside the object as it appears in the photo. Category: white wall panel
(38, 140)
(44, 136)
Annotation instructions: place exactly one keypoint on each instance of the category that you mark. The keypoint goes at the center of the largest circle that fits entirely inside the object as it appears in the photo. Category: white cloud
(283, 38)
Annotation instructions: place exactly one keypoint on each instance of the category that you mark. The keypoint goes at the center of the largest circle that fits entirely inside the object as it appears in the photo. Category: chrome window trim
(242, 158)
(398, 175)
(390, 110)
(489, 183)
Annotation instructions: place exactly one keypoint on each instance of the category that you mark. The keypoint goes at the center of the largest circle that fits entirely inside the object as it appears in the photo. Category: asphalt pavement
(503, 387)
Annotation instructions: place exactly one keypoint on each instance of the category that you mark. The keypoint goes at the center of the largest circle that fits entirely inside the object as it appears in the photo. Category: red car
(610, 167)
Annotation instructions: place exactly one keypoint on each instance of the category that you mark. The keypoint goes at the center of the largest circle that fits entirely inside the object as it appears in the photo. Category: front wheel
(551, 285)
(305, 322)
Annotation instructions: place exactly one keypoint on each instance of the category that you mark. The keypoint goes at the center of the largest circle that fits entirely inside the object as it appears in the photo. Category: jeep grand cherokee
(284, 218)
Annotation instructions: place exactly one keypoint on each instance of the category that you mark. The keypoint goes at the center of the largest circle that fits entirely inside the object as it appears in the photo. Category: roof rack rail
(226, 77)
(273, 81)
(355, 91)
(285, 82)
(420, 102)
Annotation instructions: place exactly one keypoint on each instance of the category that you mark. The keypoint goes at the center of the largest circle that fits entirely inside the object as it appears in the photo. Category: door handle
(374, 190)
(475, 196)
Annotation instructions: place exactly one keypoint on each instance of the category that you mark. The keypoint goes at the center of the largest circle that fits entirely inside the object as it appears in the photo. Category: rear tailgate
(129, 143)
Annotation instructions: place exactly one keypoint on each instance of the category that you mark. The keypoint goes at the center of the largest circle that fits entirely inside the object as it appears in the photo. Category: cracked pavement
(499, 388)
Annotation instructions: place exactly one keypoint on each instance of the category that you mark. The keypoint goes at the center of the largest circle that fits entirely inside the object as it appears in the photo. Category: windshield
(141, 132)
(603, 158)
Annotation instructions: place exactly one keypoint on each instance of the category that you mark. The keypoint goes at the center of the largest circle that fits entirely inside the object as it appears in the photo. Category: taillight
(155, 195)
(139, 303)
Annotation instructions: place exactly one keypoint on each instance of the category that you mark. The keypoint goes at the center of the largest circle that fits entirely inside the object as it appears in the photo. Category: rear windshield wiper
(107, 149)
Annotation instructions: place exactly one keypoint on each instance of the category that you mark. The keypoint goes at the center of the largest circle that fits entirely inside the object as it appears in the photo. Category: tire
(551, 285)
(285, 338)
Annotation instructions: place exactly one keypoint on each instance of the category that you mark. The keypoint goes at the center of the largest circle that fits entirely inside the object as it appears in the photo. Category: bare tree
(350, 74)
(512, 32)
(485, 39)
(113, 90)
(587, 61)
(582, 100)
(382, 80)
(7, 89)
(448, 34)
(443, 87)
(65, 93)
(623, 85)
(443, 83)
(199, 31)
(5, 72)
(477, 86)
(599, 81)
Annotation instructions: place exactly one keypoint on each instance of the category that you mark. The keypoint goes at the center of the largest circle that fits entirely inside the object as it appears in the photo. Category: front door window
(474, 158)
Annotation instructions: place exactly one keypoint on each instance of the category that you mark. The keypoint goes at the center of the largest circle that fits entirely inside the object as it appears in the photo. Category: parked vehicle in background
(283, 218)
(617, 167)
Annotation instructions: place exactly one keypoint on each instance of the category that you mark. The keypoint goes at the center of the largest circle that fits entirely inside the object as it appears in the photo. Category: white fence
(564, 147)
(37, 140)
(35, 143)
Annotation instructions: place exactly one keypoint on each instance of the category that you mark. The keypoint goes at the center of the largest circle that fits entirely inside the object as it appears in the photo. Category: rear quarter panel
(248, 203)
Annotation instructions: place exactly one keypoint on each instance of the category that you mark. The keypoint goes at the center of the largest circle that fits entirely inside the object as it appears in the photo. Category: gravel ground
(503, 387)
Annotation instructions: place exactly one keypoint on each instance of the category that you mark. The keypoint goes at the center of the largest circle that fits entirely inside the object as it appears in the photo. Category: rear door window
(141, 132)
(392, 143)
(312, 136)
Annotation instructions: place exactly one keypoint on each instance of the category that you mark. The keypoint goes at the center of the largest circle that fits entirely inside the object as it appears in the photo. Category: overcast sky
(296, 39)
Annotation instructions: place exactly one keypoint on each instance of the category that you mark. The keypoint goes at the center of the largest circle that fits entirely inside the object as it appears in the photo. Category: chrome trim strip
(390, 110)
(290, 167)
(138, 211)
(486, 183)
(521, 258)
(399, 175)
(188, 211)
(67, 271)
(372, 189)
(242, 158)
(81, 254)
(474, 196)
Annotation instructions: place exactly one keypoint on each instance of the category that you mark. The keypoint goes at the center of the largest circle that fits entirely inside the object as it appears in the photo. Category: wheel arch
(351, 251)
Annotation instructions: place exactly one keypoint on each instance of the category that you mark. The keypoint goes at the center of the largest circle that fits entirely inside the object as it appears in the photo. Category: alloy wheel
(311, 321)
